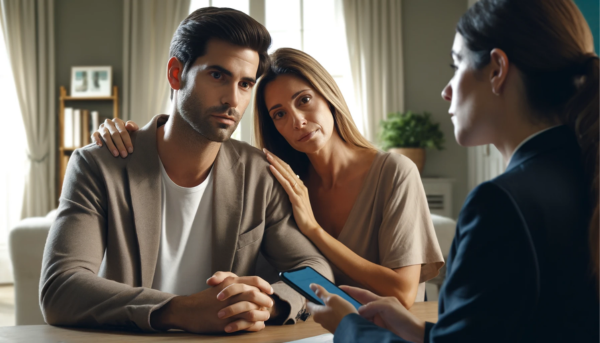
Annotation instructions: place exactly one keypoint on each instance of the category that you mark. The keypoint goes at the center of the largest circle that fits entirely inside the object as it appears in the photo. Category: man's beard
(199, 118)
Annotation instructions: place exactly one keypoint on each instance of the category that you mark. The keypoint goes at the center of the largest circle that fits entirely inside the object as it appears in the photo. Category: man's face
(217, 88)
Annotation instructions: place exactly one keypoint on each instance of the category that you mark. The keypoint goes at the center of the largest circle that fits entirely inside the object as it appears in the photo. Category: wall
(428, 28)
(591, 12)
(88, 32)
(428, 31)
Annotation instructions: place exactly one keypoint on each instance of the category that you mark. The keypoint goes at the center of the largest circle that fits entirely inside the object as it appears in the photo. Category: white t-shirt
(185, 254)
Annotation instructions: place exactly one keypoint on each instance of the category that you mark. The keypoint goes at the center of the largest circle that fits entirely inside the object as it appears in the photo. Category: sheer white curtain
(28, 28)
(27, 88)
(149, 26)
(485, 163)
(374, 34)
(12, 180)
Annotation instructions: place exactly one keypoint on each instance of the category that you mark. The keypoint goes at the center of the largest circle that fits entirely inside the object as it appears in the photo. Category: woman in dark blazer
(523, 264)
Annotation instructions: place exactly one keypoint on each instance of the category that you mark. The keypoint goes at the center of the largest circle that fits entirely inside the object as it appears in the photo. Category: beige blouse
(390, 222)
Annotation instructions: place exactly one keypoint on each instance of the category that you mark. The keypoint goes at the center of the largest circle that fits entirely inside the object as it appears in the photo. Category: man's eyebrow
(293, 97)
(456, 54)
(228, 73)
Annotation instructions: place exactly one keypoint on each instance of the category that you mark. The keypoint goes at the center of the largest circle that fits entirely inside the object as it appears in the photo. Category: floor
(7, 305)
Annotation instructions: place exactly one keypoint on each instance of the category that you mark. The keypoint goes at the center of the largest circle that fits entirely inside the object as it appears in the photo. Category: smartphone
(300, 280)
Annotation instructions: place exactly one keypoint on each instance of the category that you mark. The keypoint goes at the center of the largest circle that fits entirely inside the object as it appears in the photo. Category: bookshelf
(65, 152)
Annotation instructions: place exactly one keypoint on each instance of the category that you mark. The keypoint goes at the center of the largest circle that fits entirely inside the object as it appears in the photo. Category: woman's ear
(500, 65)
(174, 73)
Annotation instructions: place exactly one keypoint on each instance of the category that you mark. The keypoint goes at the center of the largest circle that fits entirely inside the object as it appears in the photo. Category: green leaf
(411, 130)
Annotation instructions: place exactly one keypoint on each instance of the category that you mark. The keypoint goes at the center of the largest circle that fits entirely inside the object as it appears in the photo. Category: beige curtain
(485, 163)
(28, 27)
(149, 26)
(374, 33)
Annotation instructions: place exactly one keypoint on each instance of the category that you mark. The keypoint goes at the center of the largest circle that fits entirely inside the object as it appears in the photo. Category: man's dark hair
(229, 25)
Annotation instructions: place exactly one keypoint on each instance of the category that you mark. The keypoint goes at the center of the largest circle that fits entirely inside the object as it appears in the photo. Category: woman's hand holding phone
(388, 313)
(335, 309)
(385, 312)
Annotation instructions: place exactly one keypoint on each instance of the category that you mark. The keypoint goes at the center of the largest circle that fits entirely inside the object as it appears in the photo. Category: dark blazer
(519, 266)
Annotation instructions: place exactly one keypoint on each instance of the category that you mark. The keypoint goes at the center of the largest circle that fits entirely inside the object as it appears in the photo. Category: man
(136, 239)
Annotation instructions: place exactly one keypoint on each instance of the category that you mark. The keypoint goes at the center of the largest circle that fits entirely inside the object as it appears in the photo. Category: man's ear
(174, 73)
(500, 65)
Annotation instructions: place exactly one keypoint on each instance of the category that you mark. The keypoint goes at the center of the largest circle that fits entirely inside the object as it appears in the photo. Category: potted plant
(409, 134)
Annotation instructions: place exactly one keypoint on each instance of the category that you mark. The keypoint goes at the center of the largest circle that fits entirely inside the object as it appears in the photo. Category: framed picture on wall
(91, 81)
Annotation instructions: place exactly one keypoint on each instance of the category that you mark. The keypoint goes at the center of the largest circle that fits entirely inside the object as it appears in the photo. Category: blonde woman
(364, 209)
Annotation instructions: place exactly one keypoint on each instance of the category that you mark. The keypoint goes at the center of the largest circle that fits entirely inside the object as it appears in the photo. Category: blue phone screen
(304, 277)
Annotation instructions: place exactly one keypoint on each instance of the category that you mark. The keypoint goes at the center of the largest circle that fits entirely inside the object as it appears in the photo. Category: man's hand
(230, 306)
(335, 309)
(256, 281)
(250, 288)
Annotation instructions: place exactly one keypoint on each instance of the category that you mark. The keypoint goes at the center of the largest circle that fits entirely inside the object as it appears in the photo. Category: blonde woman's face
(300, 114)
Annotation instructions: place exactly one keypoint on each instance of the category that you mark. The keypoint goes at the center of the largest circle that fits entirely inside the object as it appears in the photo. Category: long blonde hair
(287, 61)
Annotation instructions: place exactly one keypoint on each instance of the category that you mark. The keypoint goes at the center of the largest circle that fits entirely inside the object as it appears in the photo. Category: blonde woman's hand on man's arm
(115, 133)
(297, 192)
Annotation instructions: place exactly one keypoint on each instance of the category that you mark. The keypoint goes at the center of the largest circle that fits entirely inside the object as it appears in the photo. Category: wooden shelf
(66, 149)
(65, 152)
(70, 98)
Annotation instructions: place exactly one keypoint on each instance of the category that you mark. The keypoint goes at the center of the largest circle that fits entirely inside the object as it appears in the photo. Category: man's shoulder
(255, 165)
(100, 157)
(250, 156)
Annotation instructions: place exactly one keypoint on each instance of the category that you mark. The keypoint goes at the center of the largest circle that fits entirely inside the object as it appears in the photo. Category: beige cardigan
(102, 250)
(390, 224)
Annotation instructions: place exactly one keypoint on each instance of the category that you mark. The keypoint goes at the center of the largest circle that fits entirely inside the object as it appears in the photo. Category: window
(314, 26)
(240, 5)
(283, 20)
(317, 28)
(12, 173)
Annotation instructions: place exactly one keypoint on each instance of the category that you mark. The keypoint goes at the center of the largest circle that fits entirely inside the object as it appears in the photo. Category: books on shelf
(78, 126)
(68, 135)
(85, 127)
(95, 121)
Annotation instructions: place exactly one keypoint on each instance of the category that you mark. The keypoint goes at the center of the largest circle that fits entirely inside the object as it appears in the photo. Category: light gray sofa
(27, 242)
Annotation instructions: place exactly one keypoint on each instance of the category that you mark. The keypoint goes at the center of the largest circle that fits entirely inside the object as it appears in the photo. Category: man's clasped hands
(236, 303)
